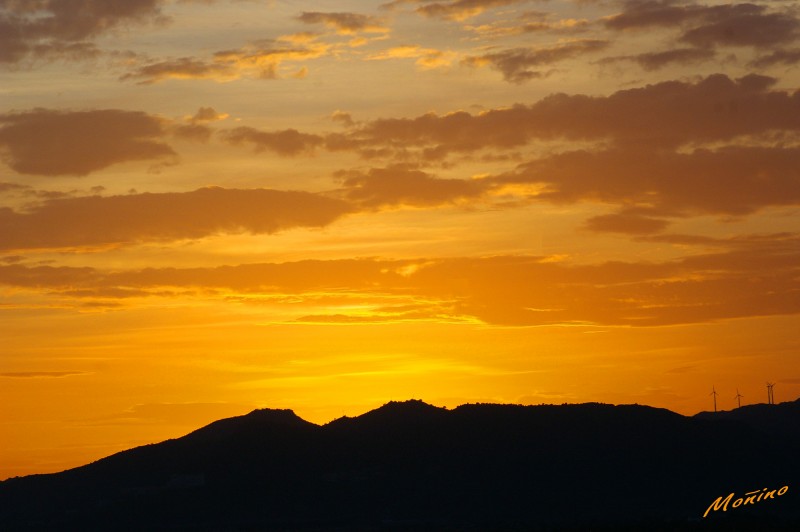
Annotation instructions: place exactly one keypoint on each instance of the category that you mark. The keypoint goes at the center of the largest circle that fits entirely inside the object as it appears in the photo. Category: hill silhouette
(413, 466)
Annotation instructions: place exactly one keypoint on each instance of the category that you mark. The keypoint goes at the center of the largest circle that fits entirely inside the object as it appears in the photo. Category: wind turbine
(738, 398)
(770, 393)
(714, 393)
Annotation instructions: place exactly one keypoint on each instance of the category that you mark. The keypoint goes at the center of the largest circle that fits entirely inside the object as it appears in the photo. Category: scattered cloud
(193, 132)
(711, 25)
(12, 187)
(515, 64)
(342, 117)
(197, 128)
(728, 181)
(56, 143)
(529, 22)
(626, 223)
(115, 220)
(302, 37)
(426, 58)
(744, 25)
(400, 185)
(288, 142)
(345, 23)
(182, 68)
(64, 28)
(683, 148)
(700, 159)
(778, 57)
(260, 60)
(207, 114)
(656, 60)
(667, 114)
(460, 10)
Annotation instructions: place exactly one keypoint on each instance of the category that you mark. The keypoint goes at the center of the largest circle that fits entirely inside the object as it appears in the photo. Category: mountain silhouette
(412, 466)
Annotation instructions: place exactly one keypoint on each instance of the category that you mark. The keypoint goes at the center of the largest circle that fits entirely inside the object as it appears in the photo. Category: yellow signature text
(751, 497)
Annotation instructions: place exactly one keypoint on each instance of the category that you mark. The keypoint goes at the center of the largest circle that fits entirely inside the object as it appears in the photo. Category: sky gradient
(210, 206)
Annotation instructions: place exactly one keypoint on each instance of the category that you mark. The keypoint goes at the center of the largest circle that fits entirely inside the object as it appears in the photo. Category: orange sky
(210, 206)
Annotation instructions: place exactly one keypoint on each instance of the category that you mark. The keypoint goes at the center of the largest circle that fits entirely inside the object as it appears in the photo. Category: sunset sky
(211, 206)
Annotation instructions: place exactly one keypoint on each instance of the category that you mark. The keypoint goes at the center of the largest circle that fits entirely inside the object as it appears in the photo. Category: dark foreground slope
(414, 466)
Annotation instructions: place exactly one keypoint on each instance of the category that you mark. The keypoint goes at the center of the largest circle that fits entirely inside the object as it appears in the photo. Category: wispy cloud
(259, 60)
(650, 61)
(40, 374)
(516, 64)
(426, 58)
(458, 10)
(723, 280)
(345, 23)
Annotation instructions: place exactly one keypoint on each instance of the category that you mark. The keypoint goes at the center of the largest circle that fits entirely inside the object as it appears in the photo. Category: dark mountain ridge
(410, 465)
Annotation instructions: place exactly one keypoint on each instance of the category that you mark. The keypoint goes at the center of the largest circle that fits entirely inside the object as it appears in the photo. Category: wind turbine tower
(714, 393)
(738, 398)
(770, 393)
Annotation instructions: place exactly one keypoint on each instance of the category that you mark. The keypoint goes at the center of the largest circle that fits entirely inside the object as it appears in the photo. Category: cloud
(778, 57)
(260, 60)
(716, 146)
(61, 28)
(744, 25)
(530, 22)
(26, 192)
(706, 287)
(54, 143)
(425, 57)
(8, 187)
(377, 313)
(515, 64)
(77, 51)
(40, 374)
(207, 114)
(745, 276)
(288, 142)
(193, 132)
(728, 181)
(197, 128)
(399, 185)
(655, 60)
(116, 220)
(461, 9)
(182, 68)
(642, 14)
(711, 25)
(46, 276)
(666, 114)
(345, 23)
(626, 223)
(342, 117)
